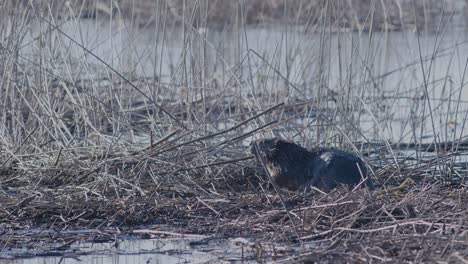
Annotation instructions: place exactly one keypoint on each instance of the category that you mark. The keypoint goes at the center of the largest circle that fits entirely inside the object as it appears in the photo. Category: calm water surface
(384, 70)
(148, 251)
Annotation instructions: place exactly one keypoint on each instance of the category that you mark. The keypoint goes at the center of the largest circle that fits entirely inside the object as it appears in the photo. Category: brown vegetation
(84, 145)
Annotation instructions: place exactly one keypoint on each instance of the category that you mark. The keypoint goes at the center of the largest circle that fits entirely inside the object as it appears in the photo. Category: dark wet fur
(293, 166)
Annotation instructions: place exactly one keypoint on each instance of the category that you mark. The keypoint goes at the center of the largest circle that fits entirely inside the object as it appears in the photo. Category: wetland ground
(124, 128)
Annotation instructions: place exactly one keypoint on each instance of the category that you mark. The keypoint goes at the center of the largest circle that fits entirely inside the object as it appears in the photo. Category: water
(383, 70)
(150, 251)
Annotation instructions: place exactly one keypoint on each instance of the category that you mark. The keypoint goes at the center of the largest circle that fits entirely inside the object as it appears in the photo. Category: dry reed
(86, 143)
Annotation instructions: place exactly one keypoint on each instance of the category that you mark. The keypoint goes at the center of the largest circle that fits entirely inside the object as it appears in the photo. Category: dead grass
(424, 220)
(85, 144)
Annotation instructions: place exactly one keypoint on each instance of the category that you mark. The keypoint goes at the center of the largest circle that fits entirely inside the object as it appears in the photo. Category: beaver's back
(331, 167)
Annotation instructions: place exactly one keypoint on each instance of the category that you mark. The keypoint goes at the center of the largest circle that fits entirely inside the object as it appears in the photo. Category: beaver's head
(268, 149)
(283, 159)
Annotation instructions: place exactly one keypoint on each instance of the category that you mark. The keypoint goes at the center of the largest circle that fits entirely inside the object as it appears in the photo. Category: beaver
(293, 166)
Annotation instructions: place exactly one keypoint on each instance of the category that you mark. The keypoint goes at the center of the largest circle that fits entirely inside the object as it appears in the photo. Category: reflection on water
(148, 251)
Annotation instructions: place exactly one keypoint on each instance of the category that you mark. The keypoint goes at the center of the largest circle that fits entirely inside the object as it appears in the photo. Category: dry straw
(87, 142)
